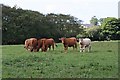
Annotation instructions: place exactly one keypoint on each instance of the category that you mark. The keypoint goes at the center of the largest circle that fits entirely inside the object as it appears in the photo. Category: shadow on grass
(109, 50)
(94, 51)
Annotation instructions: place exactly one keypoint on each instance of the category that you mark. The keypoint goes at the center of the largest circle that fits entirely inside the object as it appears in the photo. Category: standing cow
(40, 44)
(47, 43)
(85, 43)
(31, 44)
(69, 42)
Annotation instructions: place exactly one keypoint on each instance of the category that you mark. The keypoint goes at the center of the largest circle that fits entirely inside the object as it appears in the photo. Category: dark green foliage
(111, 28)
(108, 30)
(94, 21)
(19, 24)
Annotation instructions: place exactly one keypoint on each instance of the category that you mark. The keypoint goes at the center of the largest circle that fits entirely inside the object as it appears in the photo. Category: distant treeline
(19, 24)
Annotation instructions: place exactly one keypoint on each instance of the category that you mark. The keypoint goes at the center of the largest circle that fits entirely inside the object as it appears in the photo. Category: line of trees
(19, 24)
(103, 29)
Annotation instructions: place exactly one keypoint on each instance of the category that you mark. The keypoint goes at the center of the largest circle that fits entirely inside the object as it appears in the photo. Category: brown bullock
(47, 43)
(31, 44)
(69, 42)
(40, 44)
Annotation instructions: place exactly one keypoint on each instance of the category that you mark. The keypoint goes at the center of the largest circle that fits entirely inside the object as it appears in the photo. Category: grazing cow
(40, 44)
(47, 43)
(26, 44)
(31, 44)
(69, 42)
(85, 43)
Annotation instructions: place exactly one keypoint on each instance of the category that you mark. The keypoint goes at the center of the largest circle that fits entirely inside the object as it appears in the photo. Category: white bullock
(85, 43)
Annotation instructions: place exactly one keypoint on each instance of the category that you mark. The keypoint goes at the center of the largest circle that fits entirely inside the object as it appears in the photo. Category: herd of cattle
(35, 45)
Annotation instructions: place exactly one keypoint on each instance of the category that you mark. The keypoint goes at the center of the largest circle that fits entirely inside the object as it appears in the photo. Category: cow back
(70, 41)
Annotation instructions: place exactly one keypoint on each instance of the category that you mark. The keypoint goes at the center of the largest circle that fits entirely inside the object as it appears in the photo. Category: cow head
(62, 39)
(29, 48)
(80, 40)
(25, 47)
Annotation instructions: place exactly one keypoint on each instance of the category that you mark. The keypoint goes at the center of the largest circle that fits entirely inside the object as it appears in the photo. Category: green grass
(101, 62)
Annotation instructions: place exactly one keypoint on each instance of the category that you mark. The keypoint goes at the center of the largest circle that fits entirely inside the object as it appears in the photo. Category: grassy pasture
(101, 62)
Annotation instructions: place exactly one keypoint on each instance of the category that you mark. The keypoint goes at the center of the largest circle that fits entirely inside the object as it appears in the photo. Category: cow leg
(65, 49)
(89, 48)
(82, 49)
(31, 50)
(73, 47)
(43, 49)
(38, 49)
(53, 47)
(76, 46)
(49, 48)
(46, 47)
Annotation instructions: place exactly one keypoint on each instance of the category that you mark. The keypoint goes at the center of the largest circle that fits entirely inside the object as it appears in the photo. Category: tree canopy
(94, 21)
(19, 24)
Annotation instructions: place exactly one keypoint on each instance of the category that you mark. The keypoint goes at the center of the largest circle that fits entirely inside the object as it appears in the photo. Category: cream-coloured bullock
(85, 44)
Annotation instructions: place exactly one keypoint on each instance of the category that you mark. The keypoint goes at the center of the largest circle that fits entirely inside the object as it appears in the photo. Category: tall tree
(101, 20)
(111, 28)
(94, 21)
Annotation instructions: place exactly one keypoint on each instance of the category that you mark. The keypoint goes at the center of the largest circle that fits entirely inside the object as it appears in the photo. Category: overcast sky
(82, 9)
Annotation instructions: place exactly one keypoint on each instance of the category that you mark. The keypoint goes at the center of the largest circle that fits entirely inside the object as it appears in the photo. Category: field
(101, 62)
